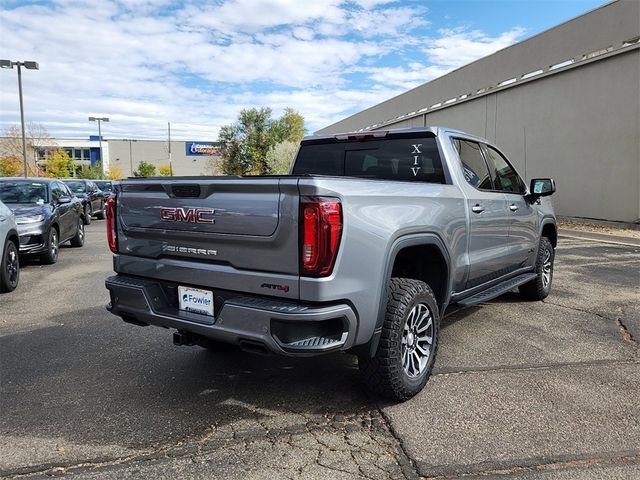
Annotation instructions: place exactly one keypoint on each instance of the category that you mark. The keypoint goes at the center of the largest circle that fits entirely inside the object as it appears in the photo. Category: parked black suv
(91, 196)
(47, 214)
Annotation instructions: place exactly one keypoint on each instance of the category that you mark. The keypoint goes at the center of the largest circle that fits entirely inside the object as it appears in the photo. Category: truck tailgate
(248, 223)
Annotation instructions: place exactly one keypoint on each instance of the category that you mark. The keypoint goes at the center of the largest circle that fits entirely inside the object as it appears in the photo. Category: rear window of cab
(415, 159)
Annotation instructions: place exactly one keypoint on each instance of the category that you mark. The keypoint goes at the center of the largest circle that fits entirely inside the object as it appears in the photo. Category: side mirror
(541, 187)
(64, 199)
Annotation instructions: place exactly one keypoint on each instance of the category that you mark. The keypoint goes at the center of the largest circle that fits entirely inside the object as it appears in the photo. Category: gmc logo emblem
(187, 215)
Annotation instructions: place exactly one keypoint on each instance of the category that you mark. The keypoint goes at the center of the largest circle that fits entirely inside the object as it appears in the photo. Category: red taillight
(112, 231)
(321, 231)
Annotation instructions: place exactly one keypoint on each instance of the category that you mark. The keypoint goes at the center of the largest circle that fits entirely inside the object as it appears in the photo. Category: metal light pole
(170, 165)
(131, 157)
(100, 119)
(30, 66)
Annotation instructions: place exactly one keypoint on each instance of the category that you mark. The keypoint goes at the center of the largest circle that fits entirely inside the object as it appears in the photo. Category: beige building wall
(127, 155)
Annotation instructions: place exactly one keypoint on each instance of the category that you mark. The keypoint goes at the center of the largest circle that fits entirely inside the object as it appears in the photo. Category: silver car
(9, 240)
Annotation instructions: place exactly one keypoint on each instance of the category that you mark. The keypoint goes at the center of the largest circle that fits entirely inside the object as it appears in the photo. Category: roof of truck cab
(436, 130)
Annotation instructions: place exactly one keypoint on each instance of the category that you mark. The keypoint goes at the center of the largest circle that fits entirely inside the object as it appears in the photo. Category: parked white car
(10, 243)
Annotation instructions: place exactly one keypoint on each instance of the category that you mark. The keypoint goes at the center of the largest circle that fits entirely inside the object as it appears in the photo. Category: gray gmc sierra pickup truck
(361, 248)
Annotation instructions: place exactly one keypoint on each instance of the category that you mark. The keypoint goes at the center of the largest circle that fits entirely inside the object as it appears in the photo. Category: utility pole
(30, 66)
(130, 158)
(24, 138)
(170, 165)
(99, 120)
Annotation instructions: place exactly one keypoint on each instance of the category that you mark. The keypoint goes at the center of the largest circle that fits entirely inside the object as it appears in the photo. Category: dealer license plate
(196, 300)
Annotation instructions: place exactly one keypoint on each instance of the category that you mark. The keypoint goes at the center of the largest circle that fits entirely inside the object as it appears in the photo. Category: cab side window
(476, 172)
(504, 175)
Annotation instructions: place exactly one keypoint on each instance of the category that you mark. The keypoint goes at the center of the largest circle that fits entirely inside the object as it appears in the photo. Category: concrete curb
(599, 237)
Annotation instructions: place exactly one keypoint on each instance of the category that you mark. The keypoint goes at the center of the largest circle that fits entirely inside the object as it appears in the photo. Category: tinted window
(77, 187)
(405, 159)
(504, 176)
(104, 186)
(475, 168)
(23, 192)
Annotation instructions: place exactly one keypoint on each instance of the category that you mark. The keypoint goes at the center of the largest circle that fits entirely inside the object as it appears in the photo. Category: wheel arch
(549, 230)
(14, 237)
(433, 267)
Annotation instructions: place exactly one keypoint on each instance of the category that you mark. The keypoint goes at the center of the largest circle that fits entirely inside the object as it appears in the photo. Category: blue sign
(95, 138)
(200, 148)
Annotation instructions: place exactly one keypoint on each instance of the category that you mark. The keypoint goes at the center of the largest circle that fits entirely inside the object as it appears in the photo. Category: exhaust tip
(253, 346)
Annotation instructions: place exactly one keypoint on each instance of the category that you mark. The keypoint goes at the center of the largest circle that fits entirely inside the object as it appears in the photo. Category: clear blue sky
(196, 64)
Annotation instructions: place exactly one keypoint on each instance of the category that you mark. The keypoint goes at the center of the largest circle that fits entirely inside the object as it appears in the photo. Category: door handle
(477, 208)
(513, 207)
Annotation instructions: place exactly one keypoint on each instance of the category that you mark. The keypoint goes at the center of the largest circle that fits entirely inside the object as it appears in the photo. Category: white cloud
(458, 47)
(199, 64)
(406, 78)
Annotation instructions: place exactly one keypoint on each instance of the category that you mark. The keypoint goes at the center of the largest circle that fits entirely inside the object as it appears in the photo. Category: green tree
(36, 138)
(11, 166)
(246, 144)
(93, 172)
(115, 173)
(59, 165)
(289, 127)
(145, 169)
(280, 157)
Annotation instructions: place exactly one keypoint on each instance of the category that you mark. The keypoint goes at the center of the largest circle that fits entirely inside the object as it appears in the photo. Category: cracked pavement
(521, 390)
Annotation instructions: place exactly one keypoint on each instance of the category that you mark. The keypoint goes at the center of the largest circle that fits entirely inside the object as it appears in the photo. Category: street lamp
(29, 66)
(100, 119)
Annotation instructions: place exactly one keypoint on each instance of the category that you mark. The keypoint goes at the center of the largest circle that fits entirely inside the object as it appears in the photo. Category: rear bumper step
(285, 328)
(497, 290)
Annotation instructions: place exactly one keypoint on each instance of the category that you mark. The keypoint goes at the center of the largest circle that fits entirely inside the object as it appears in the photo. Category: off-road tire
(384, 372)
(536, 289)
(10, 267)
(78, 238)
(50, 256)
(86, 214)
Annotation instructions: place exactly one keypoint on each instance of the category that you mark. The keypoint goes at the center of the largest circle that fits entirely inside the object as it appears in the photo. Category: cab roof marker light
(362, 134)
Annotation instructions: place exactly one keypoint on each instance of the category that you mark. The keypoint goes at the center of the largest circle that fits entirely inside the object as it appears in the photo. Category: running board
(497, 290)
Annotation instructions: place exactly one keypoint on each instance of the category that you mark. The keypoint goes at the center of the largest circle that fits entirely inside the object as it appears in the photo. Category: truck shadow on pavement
(95, 379)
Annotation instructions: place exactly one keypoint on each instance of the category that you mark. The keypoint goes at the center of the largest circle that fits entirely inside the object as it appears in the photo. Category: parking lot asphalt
(521, 390)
